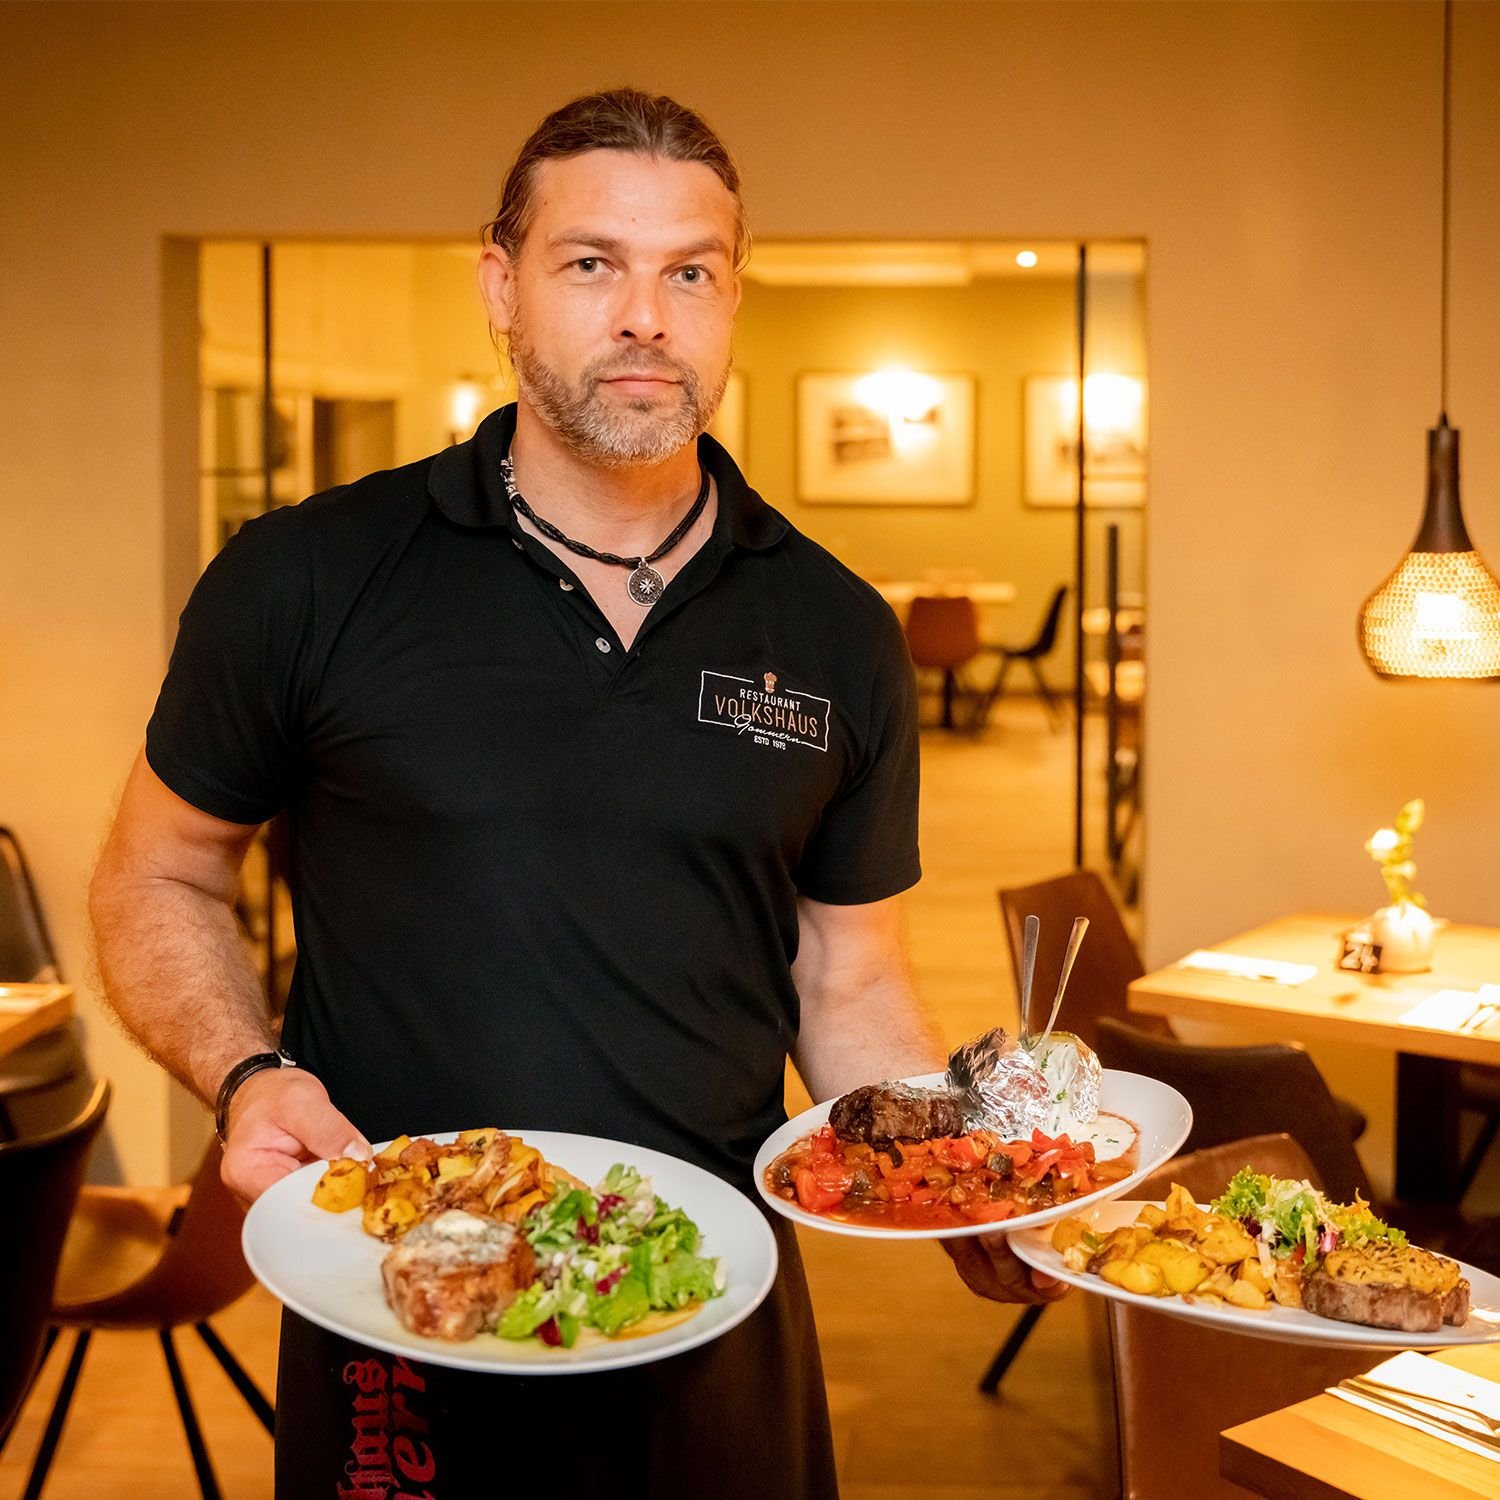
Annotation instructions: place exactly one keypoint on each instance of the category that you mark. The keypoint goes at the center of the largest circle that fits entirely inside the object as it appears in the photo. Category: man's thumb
(325, 1132)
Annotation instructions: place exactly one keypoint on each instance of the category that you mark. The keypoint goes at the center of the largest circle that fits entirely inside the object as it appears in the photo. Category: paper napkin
(1413, 1376)
(1237, 966)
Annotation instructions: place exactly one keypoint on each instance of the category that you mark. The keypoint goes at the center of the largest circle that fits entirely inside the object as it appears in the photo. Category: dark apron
(742, 1418)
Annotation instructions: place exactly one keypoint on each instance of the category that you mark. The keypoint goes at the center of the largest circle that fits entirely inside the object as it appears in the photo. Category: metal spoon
(1028, 972)
(1075, 941)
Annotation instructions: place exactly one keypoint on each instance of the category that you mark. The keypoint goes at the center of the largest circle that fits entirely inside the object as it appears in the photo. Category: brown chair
(1096, 1001)
(1178, 1385)
(942, 634)
(155, 1258)
(43, 1084)
(1237, 1092)
(39, 1182)
(1106, 964)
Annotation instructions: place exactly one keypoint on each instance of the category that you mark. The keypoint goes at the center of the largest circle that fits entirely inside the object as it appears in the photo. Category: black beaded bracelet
(246, 1068)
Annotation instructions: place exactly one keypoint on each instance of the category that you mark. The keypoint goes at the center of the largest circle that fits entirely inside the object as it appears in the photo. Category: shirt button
(601, 643)
(564, 585)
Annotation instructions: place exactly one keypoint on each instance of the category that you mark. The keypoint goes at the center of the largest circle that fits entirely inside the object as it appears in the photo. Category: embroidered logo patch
(763, 711)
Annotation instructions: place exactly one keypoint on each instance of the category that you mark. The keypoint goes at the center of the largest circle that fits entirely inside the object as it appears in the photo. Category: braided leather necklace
(645, 584)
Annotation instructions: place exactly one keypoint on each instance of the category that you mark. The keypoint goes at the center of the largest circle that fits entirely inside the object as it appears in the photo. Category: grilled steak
(880, 1113)
(1382, 1286)
(454, 1275)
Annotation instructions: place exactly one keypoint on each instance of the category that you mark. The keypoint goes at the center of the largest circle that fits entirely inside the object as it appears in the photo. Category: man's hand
(991, 1268)
(280, 1119)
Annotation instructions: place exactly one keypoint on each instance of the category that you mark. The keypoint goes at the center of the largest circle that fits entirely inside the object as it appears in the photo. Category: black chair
(1032, 654)
(42, 1084)
(1237, 1092)
(40, 1178)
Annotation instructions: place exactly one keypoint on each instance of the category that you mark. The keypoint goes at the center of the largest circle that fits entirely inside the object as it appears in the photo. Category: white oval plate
(1288, 1325)
(325, 1267)
(1158, 1112)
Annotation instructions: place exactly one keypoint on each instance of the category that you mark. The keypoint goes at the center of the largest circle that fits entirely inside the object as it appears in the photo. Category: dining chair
(44, 1082)
(1243, 1091)
(40, 1178)
(1097, 996)
(942, 634)
(1033, 653)
(1178, 1384)
(157, 1258)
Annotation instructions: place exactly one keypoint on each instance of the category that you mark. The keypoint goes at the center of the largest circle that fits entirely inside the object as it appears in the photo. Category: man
(603, 784)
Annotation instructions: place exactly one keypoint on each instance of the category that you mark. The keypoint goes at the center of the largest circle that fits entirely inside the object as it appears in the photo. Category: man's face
(620, 305)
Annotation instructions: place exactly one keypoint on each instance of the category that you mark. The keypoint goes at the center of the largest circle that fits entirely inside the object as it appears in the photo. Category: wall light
(900, 395)
(465, 402)
(1026, 258)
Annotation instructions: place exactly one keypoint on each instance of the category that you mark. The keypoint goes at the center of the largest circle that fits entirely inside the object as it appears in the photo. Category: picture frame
(885, 437)
(1114, 448)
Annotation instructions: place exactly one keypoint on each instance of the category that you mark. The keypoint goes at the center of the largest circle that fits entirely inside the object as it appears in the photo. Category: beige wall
(1279, 159)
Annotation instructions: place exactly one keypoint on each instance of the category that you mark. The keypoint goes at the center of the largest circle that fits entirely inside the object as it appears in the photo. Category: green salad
(1286, 1217)
(606, 1258)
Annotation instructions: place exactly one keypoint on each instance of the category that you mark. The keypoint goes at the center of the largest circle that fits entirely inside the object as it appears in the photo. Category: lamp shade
(1438, 614)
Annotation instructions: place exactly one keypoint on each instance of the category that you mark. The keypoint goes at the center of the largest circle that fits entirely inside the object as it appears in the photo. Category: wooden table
(1364, 1009)
(1326, 1448)
(53, 1005)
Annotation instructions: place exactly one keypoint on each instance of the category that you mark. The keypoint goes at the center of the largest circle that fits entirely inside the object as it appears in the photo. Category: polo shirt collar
(464, 482)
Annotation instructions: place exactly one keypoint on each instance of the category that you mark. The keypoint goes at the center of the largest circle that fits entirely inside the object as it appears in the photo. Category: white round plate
(1288, 1325)
(1157, 1112)
(325, 1267)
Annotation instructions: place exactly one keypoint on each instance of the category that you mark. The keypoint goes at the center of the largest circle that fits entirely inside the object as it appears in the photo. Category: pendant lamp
(1438, 614)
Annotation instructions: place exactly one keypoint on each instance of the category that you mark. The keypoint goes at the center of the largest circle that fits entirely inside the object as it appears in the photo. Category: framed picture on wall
(729, 423)
(1114, 445)
(885, 437)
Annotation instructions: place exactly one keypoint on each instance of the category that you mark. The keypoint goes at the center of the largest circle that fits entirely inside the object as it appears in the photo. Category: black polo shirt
(541, 880)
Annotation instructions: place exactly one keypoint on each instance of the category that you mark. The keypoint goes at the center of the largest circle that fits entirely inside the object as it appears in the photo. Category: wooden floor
(908, 1421)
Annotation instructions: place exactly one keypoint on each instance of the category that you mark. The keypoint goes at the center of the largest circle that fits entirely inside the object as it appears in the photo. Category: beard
(607, 433)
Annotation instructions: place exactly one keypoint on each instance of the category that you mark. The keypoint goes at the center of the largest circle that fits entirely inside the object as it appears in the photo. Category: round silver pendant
(645, 585)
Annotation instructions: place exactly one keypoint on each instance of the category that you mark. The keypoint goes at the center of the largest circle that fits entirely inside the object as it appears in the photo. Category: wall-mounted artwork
(1114, 471)
(886, 437)
(729, 425)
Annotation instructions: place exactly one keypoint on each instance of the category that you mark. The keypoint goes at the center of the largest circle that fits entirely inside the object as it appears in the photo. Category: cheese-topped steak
(452, 1276)
(1385, 1286)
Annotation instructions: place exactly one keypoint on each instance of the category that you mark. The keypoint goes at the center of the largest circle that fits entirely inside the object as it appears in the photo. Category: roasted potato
(1243, 1294)
(1143, 1278)
(394, 1150)
(342, 1186)
(1250, 1270)
(1226, 1244)
(1066, 1233)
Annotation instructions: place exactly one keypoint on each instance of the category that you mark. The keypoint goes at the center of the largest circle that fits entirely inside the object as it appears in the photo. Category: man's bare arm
(177, 973)
(861, 1019)
(862, 1023)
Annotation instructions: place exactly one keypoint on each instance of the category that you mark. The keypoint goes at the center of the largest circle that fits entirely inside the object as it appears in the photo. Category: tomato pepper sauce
(945, 1183)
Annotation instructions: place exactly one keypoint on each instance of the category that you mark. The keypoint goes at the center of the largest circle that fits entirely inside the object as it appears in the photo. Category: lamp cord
(1447, 131)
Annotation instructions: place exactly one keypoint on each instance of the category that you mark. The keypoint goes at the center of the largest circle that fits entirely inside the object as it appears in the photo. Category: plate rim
(619, 1354)
(1040, 1256)
(805, 1122)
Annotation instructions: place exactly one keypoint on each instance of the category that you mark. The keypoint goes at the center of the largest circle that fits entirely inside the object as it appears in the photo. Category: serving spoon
(1075, 941)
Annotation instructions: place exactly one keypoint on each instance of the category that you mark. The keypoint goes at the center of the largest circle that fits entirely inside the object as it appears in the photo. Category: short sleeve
(225, 732)
(865, 846)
